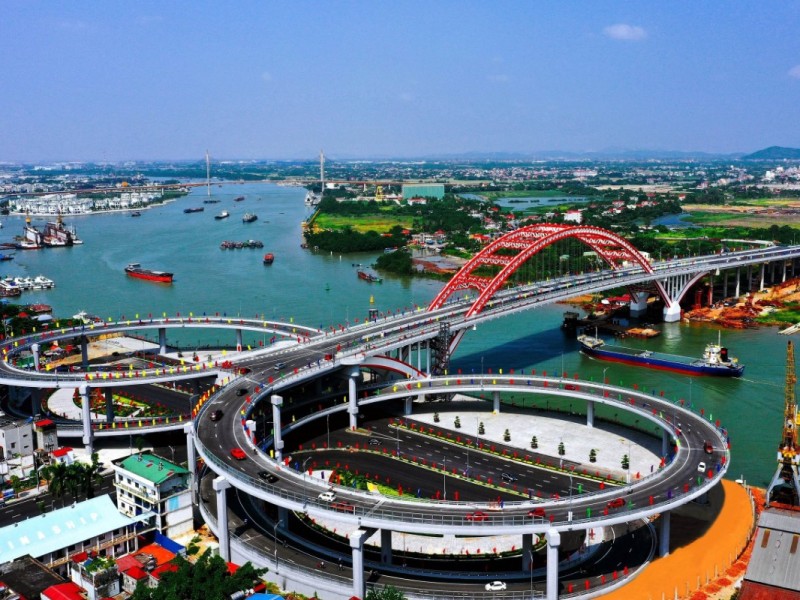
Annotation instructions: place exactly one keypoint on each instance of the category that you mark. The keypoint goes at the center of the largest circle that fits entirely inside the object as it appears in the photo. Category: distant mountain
(774, 153)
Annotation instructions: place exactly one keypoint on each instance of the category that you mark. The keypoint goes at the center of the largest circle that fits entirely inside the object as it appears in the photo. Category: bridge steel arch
(529, 241)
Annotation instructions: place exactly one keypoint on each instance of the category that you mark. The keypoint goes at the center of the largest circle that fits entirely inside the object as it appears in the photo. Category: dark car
(508, 477)
(215, 415)
(267, 476)
(708, 448)
(537, 512)
(374, 442)
(244, 371)
(241, 391)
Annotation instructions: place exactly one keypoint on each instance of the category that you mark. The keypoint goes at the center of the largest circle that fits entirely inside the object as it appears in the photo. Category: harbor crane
(785, 485)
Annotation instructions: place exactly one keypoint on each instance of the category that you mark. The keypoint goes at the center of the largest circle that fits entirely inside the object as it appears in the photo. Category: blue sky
(257, 79)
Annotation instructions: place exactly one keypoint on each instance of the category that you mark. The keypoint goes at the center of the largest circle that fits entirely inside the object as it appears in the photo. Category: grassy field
(768, 201)
(362, 224)
(743, 219)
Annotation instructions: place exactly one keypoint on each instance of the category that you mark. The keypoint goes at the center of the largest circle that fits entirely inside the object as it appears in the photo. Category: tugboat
(223, 215)
(366, 276)
(715, 360)
(269, 257)
(238, 198)
(136, 213)
(136, 270)
(249, 218)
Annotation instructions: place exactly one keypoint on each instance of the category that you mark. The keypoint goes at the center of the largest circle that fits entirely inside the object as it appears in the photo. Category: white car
(701, 468)
(327, 496)
(496, 586)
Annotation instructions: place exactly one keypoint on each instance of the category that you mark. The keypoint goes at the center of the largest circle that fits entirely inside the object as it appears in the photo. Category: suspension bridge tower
(785, 486)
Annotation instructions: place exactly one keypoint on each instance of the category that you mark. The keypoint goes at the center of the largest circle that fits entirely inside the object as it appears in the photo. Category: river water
(321, 289)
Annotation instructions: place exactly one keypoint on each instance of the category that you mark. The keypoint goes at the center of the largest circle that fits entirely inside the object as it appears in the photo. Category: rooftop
(62, 528)
(152, 467)
(27, 576)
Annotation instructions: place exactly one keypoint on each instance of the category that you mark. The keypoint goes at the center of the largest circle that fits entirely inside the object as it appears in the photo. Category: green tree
(592, 455)
(457, 423)
(385, 593)
(534, 443)
(89, 475)
(436, 417)
(207, 579)
(507, 435)
(625, 462)
(481, 428)
(561, 450)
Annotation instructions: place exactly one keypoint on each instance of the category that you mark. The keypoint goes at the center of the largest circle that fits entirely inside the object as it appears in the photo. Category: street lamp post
(275, 542)
(444, 477)
(305, 462)
(530, 568)
(328, 427)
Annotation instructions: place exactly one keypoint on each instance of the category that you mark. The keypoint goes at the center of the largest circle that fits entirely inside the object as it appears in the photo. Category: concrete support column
(428, 357)
(710, 299)
(527, 548)
(663, 534)
(749, 278)
(162, 340)
(86, 414)
(638, 304)
(277, 402)
(109, 405)
(191, 459)
(672, 313)
(783, 269)
(84, 353)
(496, 402)
(283, 515)
(419, 356)
(553, 542)
(238, 340)
(357, 539)
(386, 546)
(35, 350)
(407, 408)
(221, 485)
(590, 413)
(761, 282)
(352, 396)
(738, 281)
(664, 443)
(725, 285)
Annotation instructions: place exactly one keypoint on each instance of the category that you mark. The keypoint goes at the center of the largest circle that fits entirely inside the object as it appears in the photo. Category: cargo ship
(371, 277)
(136, 270)
(223, 215)
(269, 257)
(57, 234)
(715, 359)
(249, 218)
(194, 209)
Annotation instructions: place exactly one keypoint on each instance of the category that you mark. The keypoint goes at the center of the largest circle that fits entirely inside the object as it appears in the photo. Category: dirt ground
(709, 549)
(750, 306)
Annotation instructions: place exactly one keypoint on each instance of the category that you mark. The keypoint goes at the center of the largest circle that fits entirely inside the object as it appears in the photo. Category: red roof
(232, 568)
(165, 568)
(758, 591)
(127, 562)
(59, 452)
(64, 591)
(80, 557)
(136, 572)
(161, 554)
(43, 423)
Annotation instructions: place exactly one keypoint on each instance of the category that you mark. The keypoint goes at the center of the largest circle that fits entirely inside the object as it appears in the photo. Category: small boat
(210, 201)
(6, 257)
(223, 215)
(136, 213)
(8, 289)
(269, 257)
(238, 198)
(715, 360)
(40, 282)
(367, 276)
(193, 209)
(136, 270)
(249, 218)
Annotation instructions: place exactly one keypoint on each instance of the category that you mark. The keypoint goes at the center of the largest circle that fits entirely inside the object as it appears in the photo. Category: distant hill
(774, 153)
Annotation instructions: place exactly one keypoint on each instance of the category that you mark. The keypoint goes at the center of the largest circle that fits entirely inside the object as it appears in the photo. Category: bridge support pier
(638, 303)
(35, 351)
(84, 353)
(495, 402)
(386, 546)
(738, 281)
(761, 283)
(277, 441)
(221, 485)
(109, 405)
(162, 340)
(663, 534)
(527, 552)
(783, 277)
(357, 539)
(283, 518)
(238, 340)
(725, 284)
(672, 313)
(86, 414)
(428, 357)
(664, 443)
(352, 395)
(590, 413)
(553, 542)
(191, 459)
(408, 406)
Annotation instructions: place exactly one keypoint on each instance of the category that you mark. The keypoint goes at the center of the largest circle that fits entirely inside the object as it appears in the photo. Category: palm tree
(89, 476)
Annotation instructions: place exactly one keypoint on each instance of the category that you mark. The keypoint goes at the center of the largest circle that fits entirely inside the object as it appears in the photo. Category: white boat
(223, 215)
(40, 282)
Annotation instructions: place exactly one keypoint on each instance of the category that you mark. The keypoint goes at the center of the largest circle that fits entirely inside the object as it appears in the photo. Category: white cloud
(794, 72)
(623, 31)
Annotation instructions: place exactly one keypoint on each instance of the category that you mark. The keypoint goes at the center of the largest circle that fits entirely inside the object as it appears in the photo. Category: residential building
(149, 483)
